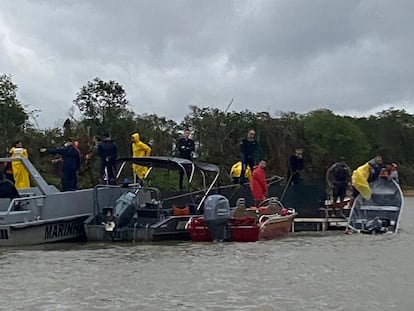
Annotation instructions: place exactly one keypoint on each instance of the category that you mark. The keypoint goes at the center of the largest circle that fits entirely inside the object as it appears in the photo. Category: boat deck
(318, 223)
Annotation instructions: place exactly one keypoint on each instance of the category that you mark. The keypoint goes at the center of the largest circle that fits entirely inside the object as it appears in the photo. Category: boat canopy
(170, 163)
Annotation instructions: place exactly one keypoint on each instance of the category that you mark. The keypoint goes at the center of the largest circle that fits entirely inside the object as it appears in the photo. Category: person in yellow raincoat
(20, 174)
(363, 175)
(236, 171)
(139, 149)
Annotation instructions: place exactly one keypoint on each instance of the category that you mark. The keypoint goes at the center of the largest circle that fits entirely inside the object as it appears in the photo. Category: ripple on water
(319, 271)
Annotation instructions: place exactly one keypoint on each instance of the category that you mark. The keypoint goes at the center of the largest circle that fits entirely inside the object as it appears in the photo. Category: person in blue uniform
(71, 163)
(185, 149)
(249, 149)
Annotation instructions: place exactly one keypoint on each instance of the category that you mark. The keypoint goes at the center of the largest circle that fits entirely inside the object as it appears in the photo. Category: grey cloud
(350, 56)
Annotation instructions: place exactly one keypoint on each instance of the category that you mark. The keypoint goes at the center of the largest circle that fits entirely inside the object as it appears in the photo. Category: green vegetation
(104, 107)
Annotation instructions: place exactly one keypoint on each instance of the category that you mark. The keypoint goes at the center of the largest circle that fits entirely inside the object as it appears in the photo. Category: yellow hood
(135, 138)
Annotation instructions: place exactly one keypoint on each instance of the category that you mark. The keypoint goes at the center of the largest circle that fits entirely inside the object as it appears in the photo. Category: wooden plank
(322, 224)
(320, 220)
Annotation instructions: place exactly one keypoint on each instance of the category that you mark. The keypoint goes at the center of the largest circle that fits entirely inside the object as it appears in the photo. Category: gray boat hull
(170, 228)
(44, 231)
(381, 213)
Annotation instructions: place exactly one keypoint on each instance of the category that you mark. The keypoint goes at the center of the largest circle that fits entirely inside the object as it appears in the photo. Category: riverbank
(408, 192)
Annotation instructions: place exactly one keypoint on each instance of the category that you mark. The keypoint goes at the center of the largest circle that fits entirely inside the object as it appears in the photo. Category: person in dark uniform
(70, 166)
(185, 149)
(107, 150)
(8, 172)
(7, 188)
(295, 167)
(249, 152)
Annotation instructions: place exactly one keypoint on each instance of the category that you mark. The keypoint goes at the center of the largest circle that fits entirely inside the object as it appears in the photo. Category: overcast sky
(353, 57)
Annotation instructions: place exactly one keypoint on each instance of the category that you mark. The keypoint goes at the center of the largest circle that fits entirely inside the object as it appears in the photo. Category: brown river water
(306, 271)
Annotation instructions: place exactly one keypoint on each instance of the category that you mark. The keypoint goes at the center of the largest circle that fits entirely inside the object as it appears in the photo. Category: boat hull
(381, 213)
(170, 228)
(43, 231)
(245, 229)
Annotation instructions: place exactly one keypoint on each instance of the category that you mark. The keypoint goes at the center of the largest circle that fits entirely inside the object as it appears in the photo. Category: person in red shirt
(258, 184)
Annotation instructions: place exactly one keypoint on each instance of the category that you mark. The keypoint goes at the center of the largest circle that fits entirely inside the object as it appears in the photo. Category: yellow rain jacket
(139, 149)
(20, 174)
(236, 170)
(360, 180)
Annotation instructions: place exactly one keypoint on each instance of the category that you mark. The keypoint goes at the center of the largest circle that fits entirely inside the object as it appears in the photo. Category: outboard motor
(124, 209)
(376, 225)
(216, 217)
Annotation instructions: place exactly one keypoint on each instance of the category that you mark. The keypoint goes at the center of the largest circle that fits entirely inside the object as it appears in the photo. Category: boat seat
(379, 208)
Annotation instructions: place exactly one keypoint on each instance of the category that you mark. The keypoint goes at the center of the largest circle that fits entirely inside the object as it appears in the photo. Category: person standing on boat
(107, 151)
(363, 175)
(8, 172)
(376, 165)
(139, 149)
(341, 173)
(258, 184)
(249, 149)
(235, 172)
(296, 165)
(70, 166)
(20, 174)
(7, 188)
(185, 149)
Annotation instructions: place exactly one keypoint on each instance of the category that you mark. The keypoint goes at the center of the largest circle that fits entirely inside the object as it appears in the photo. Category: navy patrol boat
(44, 214)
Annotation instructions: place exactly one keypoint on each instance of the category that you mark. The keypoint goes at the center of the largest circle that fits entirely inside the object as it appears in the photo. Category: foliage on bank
(323, 135)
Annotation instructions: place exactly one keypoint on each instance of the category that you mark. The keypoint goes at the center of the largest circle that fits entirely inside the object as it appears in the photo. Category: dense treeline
(104, 107)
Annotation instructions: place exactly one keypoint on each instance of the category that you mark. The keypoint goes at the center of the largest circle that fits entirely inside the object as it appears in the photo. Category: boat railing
(379, 208)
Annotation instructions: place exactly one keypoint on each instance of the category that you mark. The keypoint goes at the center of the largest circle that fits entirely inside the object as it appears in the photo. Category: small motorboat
(267, 222)
(146, 213)
(381, 213)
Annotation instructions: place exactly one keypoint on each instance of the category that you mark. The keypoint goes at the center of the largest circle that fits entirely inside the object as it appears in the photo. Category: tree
(161, 131)
(102, 103)
(13, 116)
(331, 136)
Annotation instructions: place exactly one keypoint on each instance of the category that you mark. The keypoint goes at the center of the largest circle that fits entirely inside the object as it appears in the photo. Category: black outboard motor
(216, 217)
(124, 209)
(376, 226)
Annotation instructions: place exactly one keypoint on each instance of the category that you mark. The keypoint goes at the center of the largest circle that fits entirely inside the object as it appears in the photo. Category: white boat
(381, 213)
